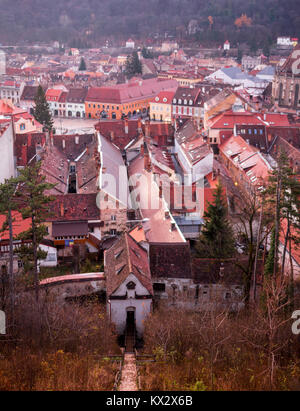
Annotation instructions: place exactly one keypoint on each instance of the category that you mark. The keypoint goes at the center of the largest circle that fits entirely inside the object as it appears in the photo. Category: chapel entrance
(130, 330)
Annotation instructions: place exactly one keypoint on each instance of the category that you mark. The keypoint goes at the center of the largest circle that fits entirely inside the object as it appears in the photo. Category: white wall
(118, 308)
(7, 163)
(51, 259)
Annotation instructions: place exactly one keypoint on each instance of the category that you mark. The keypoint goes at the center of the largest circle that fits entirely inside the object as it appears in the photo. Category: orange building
(121, 100)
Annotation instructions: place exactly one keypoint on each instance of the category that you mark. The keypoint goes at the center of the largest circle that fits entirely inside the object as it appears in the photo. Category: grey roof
(70, 229)
(269, 70)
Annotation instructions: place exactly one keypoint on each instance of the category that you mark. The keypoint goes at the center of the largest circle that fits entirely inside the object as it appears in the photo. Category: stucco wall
(7, 166)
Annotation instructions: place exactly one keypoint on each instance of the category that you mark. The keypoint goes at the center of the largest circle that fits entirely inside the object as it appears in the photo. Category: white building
(194, 154)
(130, 44)
(75, 103)
(51, 258)
(2, 62)
(226, 45)
(128, 285)
(7, 163)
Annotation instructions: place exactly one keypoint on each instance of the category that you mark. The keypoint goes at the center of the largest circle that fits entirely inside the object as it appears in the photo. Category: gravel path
(129, 374)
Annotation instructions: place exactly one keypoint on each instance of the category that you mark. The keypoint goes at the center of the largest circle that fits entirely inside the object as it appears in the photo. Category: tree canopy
(216, 238)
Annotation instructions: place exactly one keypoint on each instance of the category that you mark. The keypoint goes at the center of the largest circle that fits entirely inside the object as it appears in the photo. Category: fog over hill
(92, 20)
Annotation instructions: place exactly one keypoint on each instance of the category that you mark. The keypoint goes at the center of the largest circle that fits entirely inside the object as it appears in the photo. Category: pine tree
(82, 66)
(35, 206)
(284, 200)
(7, 205)
(133, 65)
(146, 53)
(41, 110)
(216, 238)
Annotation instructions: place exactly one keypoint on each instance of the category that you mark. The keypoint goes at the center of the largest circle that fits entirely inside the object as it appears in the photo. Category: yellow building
(161, 106)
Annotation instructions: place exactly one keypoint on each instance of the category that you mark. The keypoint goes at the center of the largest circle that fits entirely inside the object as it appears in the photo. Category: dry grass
(58, 347)
(216, 351)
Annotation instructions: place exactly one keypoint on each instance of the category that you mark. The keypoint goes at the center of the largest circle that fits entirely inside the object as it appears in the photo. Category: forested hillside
(93, 19)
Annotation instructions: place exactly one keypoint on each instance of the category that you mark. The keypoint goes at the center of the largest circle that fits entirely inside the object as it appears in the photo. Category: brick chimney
(62, 209)
(160, 189)
(139, 125)
(126, 126)
(24, 154)
(147, 129)
(147, 161)
(51, 138)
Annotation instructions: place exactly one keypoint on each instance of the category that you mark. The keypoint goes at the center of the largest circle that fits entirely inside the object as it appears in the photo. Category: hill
(91, 20)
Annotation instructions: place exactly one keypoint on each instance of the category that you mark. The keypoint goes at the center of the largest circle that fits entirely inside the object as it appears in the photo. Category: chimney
(47, 137)
(147, 129)
(139, 125)
(24, 154)
(147, 161)
(51, 138)
(61, 209)
(112, 135)
(126, 126)
(160, 190)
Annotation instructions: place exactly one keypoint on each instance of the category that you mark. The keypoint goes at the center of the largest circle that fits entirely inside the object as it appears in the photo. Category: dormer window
(130, 285)
(174, 100)
(191, 102)
(179, 101)
(164, 100)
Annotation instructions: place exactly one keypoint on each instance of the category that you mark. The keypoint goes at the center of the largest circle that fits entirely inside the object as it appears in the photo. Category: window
(113, 231)
(130, 285)
(113, 217)
(22, 126)
(161, 287)
(255, 131)
(261, 131)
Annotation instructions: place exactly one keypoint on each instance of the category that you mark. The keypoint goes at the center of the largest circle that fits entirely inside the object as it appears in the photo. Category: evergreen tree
(284, 200)
(146, 53)
(7, 205)
(41, 110)
(35, 206)
(133, 65)
(216, 238)
(82, 66)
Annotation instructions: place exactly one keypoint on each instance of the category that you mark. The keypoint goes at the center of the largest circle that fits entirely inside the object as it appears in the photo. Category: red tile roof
(228, 119)
(19, 225)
